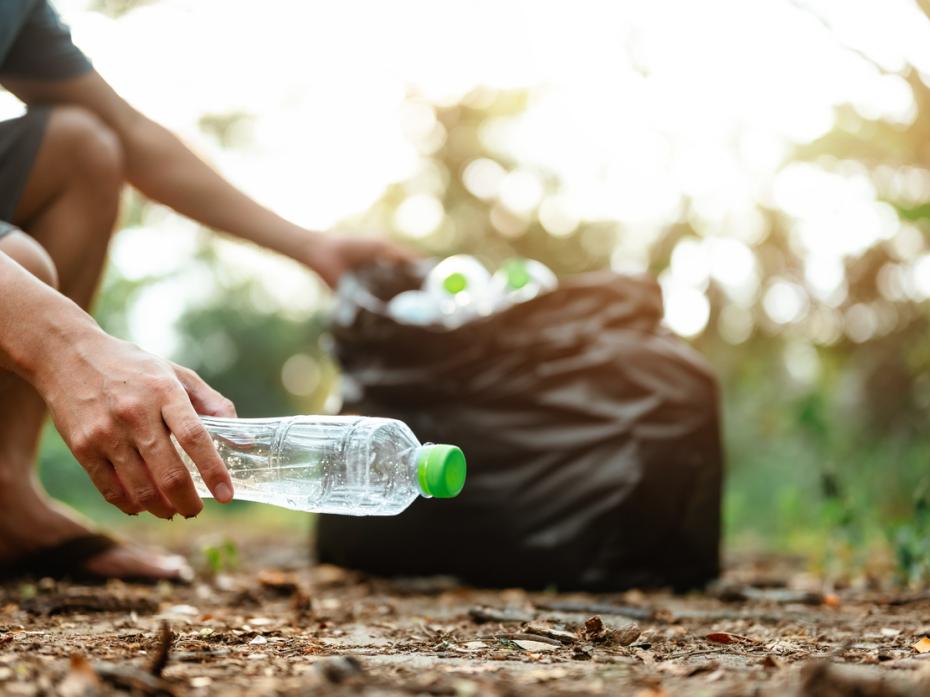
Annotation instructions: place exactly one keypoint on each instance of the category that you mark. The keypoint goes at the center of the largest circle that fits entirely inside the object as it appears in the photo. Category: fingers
(330, 278)
(190, 433)
(171, 476)
(140, 485)
(395, 252)
(104, 477)
(204, 398)
(117, 408)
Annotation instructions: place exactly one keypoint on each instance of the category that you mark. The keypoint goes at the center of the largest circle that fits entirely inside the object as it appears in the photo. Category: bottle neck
(417, 470)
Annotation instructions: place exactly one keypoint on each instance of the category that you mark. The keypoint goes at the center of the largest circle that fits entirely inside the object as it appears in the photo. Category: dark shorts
(20, 139)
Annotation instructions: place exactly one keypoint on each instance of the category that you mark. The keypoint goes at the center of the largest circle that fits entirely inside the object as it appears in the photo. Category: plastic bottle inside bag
(460, 287)
(415, 307)
(519, 280)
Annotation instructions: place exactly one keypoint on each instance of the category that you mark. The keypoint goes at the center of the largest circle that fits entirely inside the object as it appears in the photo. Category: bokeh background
(769, 162)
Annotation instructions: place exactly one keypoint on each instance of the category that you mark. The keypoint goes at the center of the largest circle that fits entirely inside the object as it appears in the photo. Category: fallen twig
(482, 614)
(160, 660)
(637, 613)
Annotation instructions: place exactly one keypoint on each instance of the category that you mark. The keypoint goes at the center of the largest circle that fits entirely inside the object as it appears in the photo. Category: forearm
(36, 323)
(165, 170)
(162, 168)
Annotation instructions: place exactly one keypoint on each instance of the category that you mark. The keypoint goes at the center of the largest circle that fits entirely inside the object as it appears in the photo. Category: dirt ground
(278, 626)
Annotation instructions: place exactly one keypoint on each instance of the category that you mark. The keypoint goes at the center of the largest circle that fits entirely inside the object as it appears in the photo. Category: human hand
(332, 256)
(117, 406)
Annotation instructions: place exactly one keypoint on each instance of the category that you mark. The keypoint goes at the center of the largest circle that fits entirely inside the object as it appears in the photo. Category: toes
(133, 562)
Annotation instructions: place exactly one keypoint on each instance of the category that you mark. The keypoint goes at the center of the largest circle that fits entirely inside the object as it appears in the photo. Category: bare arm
(115, 405)
(164, 169)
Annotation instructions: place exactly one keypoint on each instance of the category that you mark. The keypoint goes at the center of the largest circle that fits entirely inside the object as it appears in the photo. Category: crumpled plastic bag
(591, 432)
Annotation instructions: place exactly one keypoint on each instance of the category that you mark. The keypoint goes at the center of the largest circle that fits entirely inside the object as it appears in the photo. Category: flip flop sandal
(67, 560)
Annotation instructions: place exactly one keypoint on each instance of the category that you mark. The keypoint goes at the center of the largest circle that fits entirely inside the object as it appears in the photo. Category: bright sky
(731, 85)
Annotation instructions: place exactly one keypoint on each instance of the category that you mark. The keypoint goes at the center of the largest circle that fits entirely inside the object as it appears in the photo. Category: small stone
(582, 653)
(337, 669)
(624, 636)
(182, 611)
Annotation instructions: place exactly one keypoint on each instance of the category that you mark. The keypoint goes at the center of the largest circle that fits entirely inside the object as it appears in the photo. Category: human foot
(31, 522)
(132, 561)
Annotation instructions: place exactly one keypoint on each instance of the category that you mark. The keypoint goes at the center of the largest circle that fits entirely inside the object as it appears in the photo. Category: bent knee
(91, 146)
(31, 255)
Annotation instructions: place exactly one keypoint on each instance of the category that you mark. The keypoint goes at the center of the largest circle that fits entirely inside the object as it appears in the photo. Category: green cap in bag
(455, 283)
(516, 272)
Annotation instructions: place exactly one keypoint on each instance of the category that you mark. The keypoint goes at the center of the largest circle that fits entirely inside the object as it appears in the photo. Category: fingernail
(223, 493)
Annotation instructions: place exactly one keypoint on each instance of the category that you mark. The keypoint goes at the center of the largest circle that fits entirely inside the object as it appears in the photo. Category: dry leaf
(534, 646)
(722, 638)
(922, 646)
(594, 629)
(771, 662)
(647, 657)
(279, 582)
(179, 611)
(81, 680)
(557, 634)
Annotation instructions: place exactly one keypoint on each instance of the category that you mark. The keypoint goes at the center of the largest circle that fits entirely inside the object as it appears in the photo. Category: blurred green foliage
(221, 557)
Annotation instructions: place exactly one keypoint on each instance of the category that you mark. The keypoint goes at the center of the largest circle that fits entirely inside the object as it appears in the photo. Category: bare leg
(69, 207)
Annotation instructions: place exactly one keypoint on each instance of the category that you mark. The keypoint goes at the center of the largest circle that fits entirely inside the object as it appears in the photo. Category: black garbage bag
(591, 433)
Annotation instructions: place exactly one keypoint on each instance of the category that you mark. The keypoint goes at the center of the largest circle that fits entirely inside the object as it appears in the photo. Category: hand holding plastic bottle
(117, 406)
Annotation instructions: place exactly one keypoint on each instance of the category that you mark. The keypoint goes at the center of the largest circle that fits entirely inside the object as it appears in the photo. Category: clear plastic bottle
(459, 285)
(351, 465)
(414, 307)
(519, 280)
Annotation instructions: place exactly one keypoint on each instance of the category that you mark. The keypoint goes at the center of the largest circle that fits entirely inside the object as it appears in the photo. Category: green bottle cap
(455, 283)
(441, 470)
(517, 273)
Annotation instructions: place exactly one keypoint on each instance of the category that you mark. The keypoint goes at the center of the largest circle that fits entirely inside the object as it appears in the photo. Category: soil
(276, 625)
